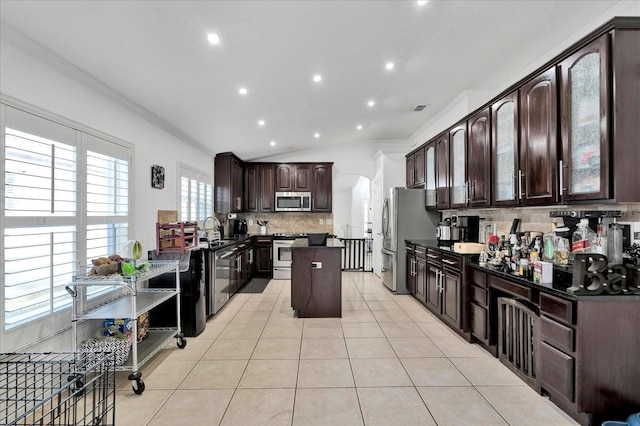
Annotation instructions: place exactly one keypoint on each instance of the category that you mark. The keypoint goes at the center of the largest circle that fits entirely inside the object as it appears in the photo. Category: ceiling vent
(419, 108)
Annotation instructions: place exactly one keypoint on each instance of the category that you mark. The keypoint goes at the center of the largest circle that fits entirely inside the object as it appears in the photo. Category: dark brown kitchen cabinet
(284, 177)
(302, 177)
(458, 166)
(322, 187)
(537, 176)
(479, 309)
(479, 161)
(410, 270)
(421, 273)
(415, 169)
(263, 251)
(267, 188)
(505, 143)
(584, 104)
(228, 171)
(430, 175)
(442, 171)
(443, 287)
(259, 183)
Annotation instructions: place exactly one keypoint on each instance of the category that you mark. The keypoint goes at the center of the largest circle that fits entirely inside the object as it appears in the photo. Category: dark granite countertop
(562, 276)
(304, 243)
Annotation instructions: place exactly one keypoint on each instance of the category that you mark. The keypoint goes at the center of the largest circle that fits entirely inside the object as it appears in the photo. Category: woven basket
(117, 343)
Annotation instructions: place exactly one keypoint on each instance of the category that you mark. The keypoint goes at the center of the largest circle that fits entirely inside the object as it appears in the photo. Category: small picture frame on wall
(157, 176)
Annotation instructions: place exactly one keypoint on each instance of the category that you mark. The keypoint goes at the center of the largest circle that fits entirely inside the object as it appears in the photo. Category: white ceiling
(155, 54)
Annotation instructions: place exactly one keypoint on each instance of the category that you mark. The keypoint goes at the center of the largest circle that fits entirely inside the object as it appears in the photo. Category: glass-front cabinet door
(459, 187)
(430, 175)
(585, 155)
(504, 128)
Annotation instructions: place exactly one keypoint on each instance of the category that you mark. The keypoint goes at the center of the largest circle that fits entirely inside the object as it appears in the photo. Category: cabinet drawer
(421, 251)
(479, 295)
(478, 278)
(479, 322)
(509, 287)
(560, 309)
(452, 262)
(559, 335)
(264, 240)
(434, 256)
(556, 371)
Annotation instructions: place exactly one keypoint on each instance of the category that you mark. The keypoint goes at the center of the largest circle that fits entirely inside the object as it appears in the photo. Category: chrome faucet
(215, 230)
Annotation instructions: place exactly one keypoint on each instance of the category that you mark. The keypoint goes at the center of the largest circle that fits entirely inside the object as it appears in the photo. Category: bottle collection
(525, 253)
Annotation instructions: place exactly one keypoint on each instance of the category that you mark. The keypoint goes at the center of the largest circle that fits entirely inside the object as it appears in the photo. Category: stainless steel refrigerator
(403, 217)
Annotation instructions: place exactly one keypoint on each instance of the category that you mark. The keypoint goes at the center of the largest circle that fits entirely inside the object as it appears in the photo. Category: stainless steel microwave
(293, 201)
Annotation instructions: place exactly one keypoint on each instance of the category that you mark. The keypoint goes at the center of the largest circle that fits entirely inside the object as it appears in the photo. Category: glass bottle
(614, 245)
(548, 253)
(600, 242)
(582, 238)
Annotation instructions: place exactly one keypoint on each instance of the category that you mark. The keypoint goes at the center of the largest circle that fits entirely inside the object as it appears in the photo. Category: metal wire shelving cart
(130, 299)
(57, 389)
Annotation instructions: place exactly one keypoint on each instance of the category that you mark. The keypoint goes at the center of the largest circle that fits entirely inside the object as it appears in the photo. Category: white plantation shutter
(196, 194)
(65, 201)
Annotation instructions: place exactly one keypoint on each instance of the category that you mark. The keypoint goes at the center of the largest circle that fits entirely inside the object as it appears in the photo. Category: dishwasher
(218, 273)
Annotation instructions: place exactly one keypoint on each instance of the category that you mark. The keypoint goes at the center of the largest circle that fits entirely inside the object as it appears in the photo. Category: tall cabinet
(430, 175)
(479, 161)
(442, 171)
(505, 143)
(458, 161)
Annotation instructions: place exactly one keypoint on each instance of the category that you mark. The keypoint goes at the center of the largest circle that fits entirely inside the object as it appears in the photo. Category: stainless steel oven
(282, 259)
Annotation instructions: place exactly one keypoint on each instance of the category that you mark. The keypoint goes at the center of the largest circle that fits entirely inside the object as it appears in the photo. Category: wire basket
(57, 389)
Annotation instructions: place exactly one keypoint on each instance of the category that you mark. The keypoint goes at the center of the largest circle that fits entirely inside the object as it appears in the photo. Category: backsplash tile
(286, 222)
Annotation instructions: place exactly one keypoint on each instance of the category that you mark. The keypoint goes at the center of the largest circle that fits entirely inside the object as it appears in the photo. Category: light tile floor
(387, 361)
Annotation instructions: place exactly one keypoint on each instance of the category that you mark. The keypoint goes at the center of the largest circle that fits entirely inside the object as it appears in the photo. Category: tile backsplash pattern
(286, 222)
(537, 218)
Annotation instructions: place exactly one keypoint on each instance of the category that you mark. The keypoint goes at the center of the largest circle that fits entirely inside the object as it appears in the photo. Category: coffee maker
(468, 228)
(239, 227)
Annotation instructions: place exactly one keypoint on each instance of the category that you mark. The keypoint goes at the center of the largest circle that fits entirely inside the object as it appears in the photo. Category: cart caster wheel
(138, 388)
(182, 342)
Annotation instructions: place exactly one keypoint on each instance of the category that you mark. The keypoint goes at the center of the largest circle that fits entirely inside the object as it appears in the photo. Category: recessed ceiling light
(317, 78)
(359, 127)
(371, 103)
(316, 135)
(243, 91)
(389, 65)
(213, 38)
(272, 143)
(260, 122)
(421, 2)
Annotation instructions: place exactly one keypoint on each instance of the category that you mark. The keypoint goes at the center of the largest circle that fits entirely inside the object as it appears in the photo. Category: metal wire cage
(57, 389)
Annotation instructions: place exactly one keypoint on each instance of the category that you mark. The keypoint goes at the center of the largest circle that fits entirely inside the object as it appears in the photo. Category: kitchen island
(316, 279)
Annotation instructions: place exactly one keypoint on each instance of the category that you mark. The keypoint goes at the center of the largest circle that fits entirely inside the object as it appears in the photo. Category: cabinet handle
(561, 166)
(450, 262)
(513, 188)
(520, 175)
(419, 252)
(409, 249)
(432, 256)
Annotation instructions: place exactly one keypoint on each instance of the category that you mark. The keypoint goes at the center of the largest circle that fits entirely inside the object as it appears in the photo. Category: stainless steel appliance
(293, 201)
(403, 217)
(282, 255)
(468, 228)
(217, 279)
(443, 231)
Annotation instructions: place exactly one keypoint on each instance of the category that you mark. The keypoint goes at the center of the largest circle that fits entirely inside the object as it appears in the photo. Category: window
(196, 194)
(65, 201)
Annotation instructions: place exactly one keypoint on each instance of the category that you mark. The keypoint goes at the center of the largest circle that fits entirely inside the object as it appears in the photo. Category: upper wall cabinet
(458, 161)
(585, 118)
(504, 140)
(443, 182)
(293, 177)
(415, 169)
(228, 172)
(479, 161)
(430, 175)
(322, 188)
(259, 187)
(537, 177)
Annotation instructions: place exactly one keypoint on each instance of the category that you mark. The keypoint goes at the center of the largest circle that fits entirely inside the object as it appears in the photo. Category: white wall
(31, 81)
